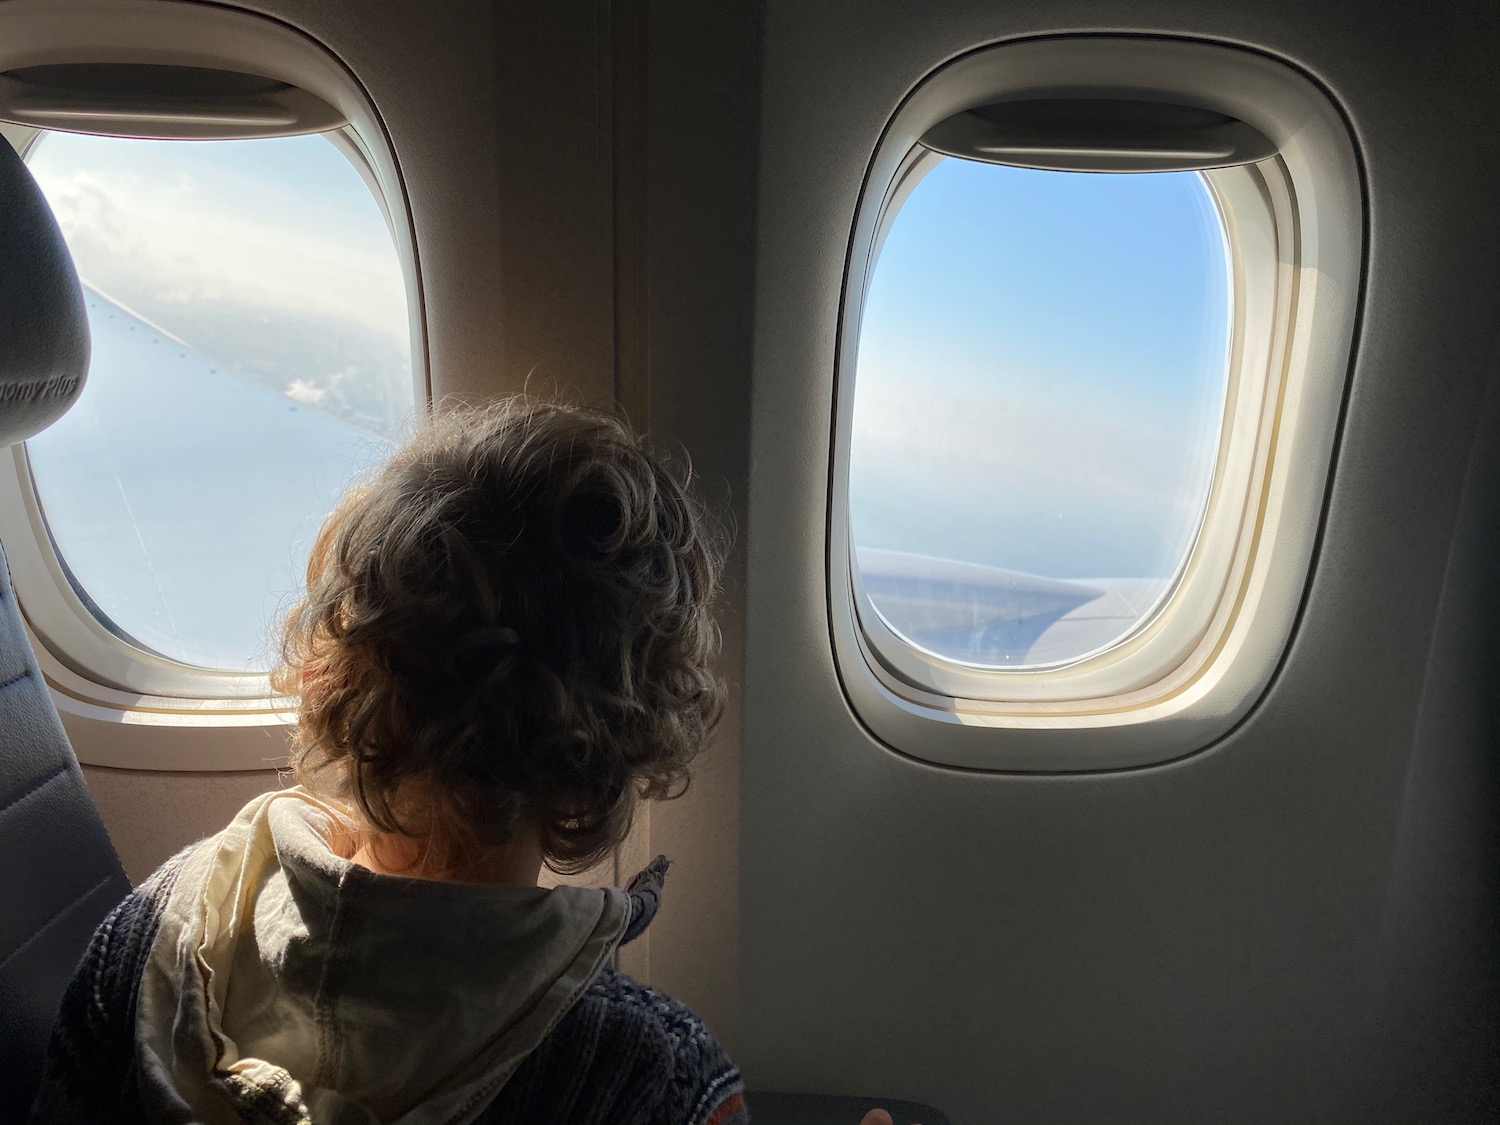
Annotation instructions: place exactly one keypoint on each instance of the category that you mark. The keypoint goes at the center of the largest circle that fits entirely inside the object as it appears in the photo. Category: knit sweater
(624, 1053)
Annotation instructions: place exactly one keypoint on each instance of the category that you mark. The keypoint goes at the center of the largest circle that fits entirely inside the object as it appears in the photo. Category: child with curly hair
(505, 645)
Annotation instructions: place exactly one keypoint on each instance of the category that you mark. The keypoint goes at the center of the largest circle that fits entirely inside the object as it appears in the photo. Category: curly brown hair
(508, 630)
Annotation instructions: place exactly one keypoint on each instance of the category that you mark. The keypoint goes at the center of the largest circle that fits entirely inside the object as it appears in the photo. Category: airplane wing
(992, 616)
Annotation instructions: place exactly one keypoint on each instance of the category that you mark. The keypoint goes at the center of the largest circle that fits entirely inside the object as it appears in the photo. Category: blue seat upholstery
(59, 874)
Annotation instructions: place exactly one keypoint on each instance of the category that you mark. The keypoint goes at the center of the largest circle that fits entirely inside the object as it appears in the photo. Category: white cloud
(179, 242)
(1057, 442)
(303, 391)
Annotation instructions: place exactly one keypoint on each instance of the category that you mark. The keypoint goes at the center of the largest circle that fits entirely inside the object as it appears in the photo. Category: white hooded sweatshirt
(288, 984)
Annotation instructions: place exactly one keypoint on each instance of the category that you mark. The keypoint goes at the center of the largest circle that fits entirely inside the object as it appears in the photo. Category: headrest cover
(44, 331)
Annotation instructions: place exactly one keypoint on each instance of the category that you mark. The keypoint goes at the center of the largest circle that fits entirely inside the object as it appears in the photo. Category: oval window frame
(1295, 227)
(96, 676)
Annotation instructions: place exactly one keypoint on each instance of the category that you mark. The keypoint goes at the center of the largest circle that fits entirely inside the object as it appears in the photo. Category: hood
(287, 984)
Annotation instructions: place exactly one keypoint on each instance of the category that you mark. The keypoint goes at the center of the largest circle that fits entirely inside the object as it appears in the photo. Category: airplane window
(1040, 383)
(250, 355)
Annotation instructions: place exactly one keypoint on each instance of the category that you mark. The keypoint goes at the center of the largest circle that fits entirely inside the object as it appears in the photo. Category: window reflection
(250, 354)
(1039, 386)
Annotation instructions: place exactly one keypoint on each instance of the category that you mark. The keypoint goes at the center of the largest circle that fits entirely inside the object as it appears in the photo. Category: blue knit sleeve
(705, 1087)
(625, 1054)
(645, 897)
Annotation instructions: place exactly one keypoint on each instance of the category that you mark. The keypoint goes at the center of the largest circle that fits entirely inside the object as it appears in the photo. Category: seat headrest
(44, 332)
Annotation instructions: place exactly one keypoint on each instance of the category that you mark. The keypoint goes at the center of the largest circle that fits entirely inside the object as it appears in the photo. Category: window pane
(250, 354)
(1039, 387)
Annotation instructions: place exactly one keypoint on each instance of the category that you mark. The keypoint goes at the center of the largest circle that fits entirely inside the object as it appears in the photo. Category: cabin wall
(1297, 923)
(151, 814)
(703, 116)
(1204, 940)
(1437, 1011)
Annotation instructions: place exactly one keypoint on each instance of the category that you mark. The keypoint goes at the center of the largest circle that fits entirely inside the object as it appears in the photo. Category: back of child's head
(508, 630)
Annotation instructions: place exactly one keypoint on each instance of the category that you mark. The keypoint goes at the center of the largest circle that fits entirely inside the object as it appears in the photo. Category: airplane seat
(59, 875)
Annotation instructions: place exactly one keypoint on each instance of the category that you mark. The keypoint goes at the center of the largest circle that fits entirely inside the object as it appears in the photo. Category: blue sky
(1041, 371)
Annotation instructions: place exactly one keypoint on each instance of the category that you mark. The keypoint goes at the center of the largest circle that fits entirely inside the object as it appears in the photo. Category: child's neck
(517, 864)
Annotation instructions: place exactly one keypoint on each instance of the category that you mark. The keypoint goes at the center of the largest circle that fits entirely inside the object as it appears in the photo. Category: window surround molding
(124, 706)
(1295, 229)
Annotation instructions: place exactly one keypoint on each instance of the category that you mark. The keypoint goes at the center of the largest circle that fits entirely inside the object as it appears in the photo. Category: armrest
(828, 1109)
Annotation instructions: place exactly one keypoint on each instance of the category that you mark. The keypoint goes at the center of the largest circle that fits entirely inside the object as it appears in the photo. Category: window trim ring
(1326, 186)
(103, 678)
